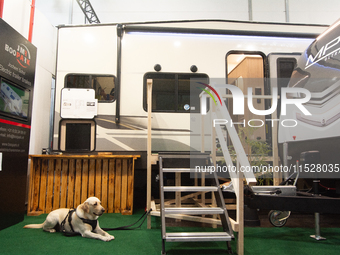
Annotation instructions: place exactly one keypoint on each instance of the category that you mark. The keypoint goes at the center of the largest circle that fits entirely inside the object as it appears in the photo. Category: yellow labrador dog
(82, 220)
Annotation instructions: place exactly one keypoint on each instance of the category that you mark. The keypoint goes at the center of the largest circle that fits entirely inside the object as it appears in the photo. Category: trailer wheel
(278, 218)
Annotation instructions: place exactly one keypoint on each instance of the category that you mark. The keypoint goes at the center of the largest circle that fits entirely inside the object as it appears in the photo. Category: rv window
(172, 92)
(285, 68)
(104, 85)
(183, 93)
(163, 94)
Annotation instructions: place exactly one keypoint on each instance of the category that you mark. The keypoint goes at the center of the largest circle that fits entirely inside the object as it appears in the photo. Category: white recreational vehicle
(115, 60)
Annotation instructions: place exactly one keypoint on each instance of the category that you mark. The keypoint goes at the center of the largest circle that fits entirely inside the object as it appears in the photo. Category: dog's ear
(85, 207)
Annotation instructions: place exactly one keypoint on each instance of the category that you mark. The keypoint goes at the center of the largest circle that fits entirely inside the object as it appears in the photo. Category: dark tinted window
(103, 85)
(172, 92)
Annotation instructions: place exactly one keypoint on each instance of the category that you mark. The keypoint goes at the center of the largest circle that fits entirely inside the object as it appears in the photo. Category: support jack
(317, 228)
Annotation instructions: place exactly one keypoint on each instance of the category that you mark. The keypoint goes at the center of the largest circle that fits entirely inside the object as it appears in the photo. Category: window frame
(90, 75)
(63, 130)
(176, 77)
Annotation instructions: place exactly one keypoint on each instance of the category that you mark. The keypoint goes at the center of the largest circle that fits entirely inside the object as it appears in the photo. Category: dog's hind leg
(50, 223)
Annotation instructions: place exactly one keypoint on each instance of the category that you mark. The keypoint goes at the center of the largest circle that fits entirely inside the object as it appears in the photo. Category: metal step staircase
(166, 162)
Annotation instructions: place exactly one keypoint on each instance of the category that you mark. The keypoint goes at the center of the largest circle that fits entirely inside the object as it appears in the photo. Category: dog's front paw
(108, 238)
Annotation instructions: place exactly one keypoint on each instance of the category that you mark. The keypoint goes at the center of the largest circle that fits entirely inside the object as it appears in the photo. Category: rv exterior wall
(93, 50)
(86, 50)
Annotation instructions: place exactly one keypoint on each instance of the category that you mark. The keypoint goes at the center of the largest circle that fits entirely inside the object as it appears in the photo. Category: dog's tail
(34, 225)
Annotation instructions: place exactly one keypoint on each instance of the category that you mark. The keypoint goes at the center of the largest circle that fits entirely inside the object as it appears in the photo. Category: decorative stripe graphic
(14, 123)
(213, 90)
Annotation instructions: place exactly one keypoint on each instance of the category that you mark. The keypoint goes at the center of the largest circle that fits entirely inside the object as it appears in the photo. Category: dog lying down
(82, 220)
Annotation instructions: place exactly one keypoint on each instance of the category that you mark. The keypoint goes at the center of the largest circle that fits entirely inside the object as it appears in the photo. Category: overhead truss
(87, 9)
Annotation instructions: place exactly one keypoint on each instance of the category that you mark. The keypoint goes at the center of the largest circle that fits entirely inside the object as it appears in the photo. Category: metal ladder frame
(227, 234)
(220, 111)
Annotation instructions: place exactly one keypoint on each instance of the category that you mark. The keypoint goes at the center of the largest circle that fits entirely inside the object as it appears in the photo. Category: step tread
(183, 155)
(197, 236)
(193, 210)
(190, 188)
(173, 170)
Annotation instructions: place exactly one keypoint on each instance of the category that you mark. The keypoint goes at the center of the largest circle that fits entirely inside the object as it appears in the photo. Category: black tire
(274, 218)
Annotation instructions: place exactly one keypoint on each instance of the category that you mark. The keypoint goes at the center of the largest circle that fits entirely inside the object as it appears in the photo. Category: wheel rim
(276, 220)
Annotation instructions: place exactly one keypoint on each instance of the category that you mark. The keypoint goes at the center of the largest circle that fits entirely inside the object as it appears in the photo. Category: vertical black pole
(119, 67)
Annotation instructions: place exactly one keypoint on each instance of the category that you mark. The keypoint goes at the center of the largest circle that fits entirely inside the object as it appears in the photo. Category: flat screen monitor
(14, 100)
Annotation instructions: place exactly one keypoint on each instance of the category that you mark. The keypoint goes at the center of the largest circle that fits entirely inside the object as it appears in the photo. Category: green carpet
(278, 241)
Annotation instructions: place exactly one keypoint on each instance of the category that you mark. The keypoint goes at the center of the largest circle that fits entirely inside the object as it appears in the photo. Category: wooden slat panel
(105, 173)
(118, 184)
(43, 184)
(50, 184)
(64, 175)
(36, 185)
(57, 187)
(92, 169)
(85, 180)
(124, 186)
(58, 181)
(111, 185)
(71, 181)
(77, 186)
(98, 179)
(30, 188)
(129, 203)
